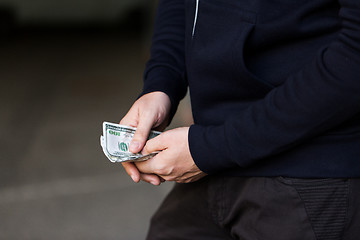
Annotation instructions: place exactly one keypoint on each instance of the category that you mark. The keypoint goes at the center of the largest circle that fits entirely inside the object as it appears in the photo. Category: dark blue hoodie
(274, 85)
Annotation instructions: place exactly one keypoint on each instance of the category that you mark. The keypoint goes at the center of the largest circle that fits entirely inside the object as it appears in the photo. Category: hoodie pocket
(219, 34)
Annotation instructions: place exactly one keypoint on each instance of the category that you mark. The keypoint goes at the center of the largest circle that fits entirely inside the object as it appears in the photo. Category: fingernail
(134, 146)
(153, 182)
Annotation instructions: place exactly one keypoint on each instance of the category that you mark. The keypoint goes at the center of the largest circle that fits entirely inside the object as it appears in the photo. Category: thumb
(141, 135)
(156, 144)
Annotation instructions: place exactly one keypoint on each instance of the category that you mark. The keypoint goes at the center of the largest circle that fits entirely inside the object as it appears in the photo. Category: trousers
(259, 208)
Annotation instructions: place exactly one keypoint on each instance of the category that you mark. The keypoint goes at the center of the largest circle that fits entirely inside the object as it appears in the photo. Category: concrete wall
(70, 10)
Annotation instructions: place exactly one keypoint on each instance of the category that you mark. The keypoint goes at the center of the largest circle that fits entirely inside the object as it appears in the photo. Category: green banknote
(115, 143)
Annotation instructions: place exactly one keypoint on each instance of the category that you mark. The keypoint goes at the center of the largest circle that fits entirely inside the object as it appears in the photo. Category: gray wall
(70, 10)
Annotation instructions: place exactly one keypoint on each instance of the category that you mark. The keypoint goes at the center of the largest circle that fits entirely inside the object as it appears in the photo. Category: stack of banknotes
(115, 143)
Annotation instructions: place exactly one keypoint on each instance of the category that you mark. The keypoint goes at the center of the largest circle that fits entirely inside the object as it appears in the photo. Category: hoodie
(274, 85)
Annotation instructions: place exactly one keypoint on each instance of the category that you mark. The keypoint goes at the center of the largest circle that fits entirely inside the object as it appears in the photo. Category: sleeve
(321, 96)
(165, 71)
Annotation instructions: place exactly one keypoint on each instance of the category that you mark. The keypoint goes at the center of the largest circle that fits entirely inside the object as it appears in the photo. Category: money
(115, 143)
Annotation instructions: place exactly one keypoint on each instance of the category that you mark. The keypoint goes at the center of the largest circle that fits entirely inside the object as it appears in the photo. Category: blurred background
(65, 67)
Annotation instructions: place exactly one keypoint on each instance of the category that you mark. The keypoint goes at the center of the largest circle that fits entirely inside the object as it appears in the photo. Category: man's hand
(174, 161)
(150, 111)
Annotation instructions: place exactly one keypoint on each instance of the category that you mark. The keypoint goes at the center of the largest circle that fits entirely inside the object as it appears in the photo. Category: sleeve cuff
(208, 149)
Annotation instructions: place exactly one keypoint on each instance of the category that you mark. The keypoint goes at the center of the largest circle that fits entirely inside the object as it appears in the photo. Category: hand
(174, 161)
(150, 111)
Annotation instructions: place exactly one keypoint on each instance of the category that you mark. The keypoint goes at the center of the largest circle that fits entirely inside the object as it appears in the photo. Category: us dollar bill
(115, 143)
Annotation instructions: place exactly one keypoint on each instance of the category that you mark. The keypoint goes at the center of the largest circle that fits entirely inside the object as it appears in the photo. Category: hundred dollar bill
(115, 143)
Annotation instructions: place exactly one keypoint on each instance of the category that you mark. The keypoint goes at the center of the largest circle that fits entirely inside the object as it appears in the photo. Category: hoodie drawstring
(196, 16)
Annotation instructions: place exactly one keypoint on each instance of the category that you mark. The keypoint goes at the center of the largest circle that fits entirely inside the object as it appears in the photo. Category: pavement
(55, 183)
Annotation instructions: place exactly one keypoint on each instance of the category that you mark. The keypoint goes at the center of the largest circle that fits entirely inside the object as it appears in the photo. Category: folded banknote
(115, 143)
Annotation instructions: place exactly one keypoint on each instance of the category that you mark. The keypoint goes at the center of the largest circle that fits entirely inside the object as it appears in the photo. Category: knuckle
(126, 121)
(149, 148)
(140, 134)
(164, 170)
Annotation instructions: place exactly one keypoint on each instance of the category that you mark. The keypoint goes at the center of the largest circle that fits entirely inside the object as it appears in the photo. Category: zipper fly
(196, 16)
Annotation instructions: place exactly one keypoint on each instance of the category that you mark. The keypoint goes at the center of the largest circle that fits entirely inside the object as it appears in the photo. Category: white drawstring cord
(196, 16)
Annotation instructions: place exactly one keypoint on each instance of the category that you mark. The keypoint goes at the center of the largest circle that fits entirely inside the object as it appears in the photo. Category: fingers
(174, 161)
(156, 165)
(155, 145)
(141, 135)
(152, 179)
(130, 119)
(132, 171)
(136, 176)
(149, 111)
